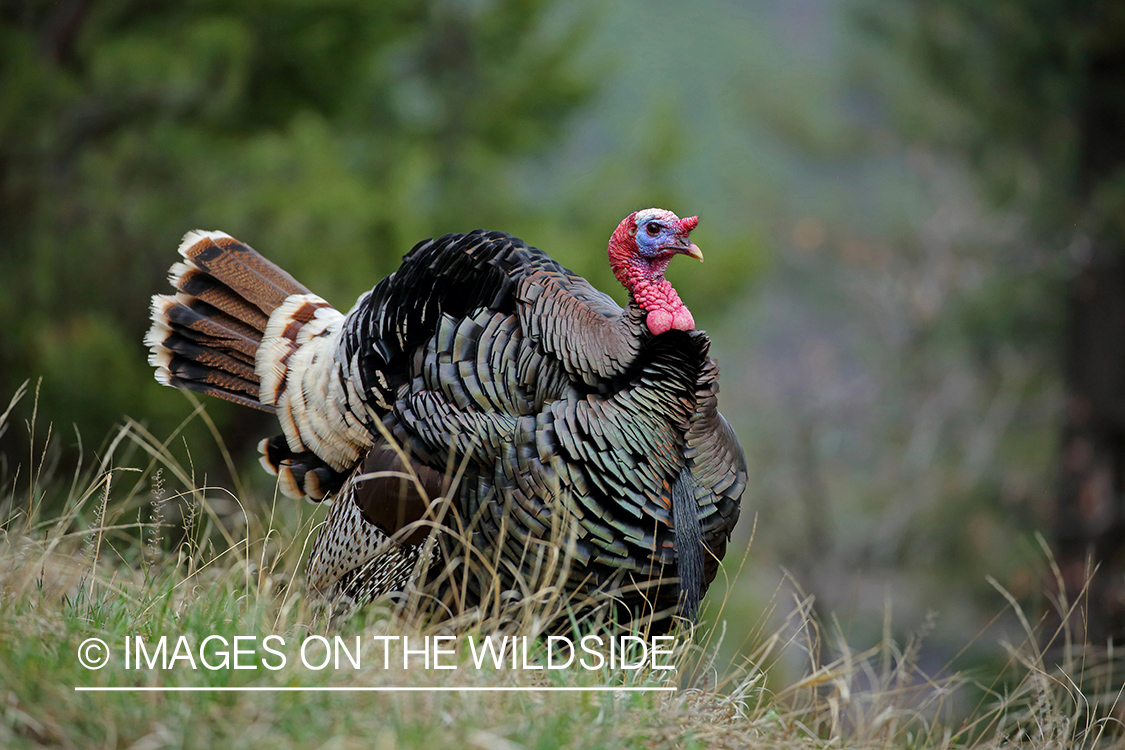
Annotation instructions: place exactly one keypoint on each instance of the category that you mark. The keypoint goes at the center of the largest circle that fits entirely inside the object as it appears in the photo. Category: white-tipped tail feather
(280, 340)
(159, 356)
(298, 373)
(242, 329)
(195, 236)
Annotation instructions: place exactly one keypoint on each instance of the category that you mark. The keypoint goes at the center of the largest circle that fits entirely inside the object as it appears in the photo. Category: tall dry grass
(133, 544)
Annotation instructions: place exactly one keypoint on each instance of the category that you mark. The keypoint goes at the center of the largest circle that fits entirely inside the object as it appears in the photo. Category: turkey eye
(652, 228)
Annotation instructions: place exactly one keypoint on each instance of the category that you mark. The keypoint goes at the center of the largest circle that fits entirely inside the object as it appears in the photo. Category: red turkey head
(639, 252)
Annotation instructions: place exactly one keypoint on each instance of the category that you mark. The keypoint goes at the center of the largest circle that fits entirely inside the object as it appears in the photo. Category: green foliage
(1013, 88)
(1026, 101)
(330, 135)
(902, 365)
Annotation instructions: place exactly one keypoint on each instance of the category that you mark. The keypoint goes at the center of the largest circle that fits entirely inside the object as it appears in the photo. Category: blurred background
(913, 215)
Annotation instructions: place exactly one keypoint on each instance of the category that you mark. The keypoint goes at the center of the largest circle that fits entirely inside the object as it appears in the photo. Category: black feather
(689, 545)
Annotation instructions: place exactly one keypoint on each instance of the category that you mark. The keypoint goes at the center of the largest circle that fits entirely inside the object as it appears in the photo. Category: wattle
(661, 320)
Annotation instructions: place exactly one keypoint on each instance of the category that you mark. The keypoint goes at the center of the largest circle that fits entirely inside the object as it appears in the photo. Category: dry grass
(132, 545)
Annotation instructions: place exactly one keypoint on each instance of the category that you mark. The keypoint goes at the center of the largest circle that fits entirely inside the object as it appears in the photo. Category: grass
(132, 546)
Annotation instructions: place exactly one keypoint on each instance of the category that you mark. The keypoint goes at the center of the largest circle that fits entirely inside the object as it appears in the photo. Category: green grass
(132, 546)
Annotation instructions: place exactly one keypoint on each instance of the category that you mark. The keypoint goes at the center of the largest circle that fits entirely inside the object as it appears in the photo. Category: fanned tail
(205, 338)
(242, 329)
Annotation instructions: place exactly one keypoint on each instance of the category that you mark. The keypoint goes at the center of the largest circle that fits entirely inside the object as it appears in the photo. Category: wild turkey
(552, 419)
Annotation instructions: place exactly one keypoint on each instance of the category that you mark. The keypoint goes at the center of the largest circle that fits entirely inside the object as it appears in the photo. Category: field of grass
(114, 553)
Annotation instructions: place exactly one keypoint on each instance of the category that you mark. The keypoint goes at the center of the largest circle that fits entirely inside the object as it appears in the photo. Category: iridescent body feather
(550, 419)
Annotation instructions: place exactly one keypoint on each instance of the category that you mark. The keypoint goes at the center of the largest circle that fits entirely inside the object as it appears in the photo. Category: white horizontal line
(367, 689)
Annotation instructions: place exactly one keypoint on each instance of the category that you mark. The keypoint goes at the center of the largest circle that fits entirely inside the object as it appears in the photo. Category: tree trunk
(1090, 511)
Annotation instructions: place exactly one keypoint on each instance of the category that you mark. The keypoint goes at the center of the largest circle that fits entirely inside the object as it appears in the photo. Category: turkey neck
(656, 294)
(644, 279)
(651, 292)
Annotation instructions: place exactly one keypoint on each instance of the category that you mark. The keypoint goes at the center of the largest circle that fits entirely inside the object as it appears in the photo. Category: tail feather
(206, 337)
(299, 474)
(241, 329)
(211, 354)
(197, 377)
(209, 325)
(192, 351)
(240, 268)
(203, 286)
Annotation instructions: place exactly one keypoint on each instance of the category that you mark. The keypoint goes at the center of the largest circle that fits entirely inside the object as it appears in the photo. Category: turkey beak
(689, 248)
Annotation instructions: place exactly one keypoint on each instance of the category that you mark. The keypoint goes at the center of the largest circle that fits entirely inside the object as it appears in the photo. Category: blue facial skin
(651, 245)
